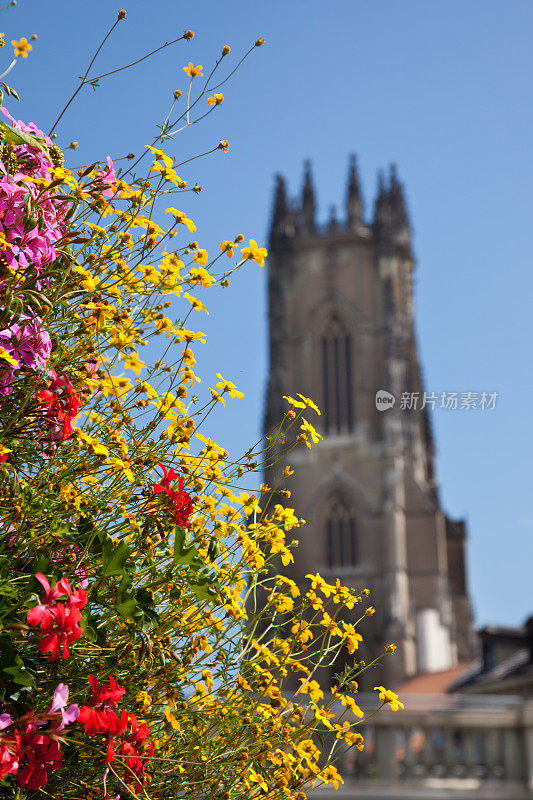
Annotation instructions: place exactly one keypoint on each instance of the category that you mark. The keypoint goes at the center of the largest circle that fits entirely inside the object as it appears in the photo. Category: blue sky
(442, 89)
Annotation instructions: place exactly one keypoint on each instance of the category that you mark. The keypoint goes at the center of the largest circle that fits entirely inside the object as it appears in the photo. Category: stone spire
(354, 202)
(308, 201)
(280, 220)
(397, 201)
(391, 222)
(333, 224)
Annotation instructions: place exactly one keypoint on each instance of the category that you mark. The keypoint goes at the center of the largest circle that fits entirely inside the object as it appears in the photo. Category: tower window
(341, 536)
(337, 402)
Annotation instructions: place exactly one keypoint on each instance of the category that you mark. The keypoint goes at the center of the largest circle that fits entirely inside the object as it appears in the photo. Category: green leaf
(146, 604)
(184, 554)
(127, 608)
(12, 665)
(20, 675)
(114, 557)
(20, 137)
(203, 589)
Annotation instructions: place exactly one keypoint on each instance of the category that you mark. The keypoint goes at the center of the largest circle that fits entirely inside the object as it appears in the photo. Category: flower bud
(188, 35)
(122, 14)
(177, 94)
(226, 50)
(259, 42)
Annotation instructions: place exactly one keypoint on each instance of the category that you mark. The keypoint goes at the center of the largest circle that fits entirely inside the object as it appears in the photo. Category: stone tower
(341, 330)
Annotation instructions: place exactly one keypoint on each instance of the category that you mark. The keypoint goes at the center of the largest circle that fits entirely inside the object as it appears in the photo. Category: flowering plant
(131, 561)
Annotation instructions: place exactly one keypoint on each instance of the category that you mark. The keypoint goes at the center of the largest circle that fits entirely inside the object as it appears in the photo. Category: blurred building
(342, 332)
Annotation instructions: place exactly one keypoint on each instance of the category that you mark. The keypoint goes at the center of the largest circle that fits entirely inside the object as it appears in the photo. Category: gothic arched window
(341, 535)
(337, 403)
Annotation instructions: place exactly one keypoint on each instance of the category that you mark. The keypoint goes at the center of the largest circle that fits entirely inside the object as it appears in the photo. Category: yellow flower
(324, 716)
(316, 601)
(227, 247)
(193, 72)
(318, 582)
(255, 777)
(216, 100)
(117, 464)
(350, 703)
(307, 428)
(330, 624)
(351, 637)
(144, 698)
(200, 257)
(312, 688)
(229, 387)
(388, 696)
(201, 276)
(308, 403)
(22, 48)
(195, 302)
(182, 218)
(331, 775)
(7, 357)
(216, 397)
(304, 402)
(132, 361)
(249, 504)
(254, 253)
(284, 603)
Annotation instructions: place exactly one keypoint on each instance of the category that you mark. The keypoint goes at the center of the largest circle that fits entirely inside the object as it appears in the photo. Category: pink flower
(68, 715)
(108, 177)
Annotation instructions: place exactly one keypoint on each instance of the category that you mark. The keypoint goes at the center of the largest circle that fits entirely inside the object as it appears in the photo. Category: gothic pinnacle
(280, 210)
(354, 203)
(308, 201)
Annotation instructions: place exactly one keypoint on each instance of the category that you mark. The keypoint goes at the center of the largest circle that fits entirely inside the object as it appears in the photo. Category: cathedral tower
(342, 332)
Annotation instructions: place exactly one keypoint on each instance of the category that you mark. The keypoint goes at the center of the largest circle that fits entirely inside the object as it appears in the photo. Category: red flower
(61, 402)
(180, 501)
(104, 722)
(9, 753)
(43, 754)
(96, 716)
(136, 753)
(59, 622)
(106, 696)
